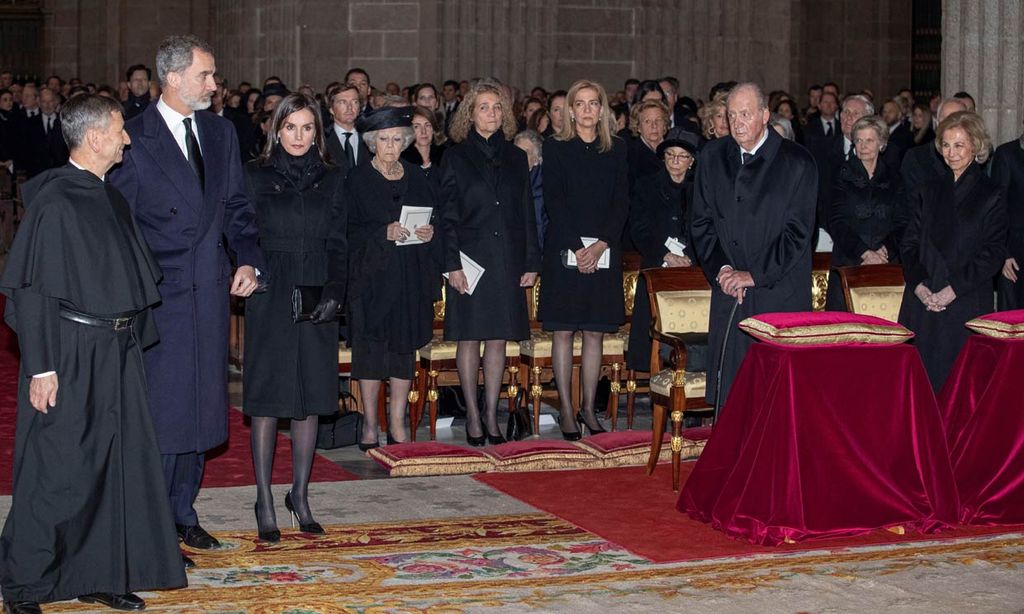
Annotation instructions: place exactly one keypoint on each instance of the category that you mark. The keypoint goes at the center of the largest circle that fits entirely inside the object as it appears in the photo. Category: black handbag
(340, 429)
(304, 301)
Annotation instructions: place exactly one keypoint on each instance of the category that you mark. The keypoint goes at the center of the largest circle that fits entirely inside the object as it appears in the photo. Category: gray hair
(83, 113)
(950, 101)
(762, 100)
(868, 105)
(535, 140)
(872, 122)
(370, 138)
(778, 121)
(175, 54)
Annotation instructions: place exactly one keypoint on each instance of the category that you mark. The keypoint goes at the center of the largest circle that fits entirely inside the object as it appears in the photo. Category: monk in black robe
(89, 515)
(752, 217)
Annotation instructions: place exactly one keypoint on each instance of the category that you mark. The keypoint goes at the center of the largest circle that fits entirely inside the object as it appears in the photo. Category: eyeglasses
(683, 157)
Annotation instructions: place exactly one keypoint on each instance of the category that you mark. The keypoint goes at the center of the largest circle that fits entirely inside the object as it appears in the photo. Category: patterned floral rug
(507, 563)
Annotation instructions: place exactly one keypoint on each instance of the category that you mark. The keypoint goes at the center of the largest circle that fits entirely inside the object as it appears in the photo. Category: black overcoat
(956, 237)
(392, 288)
(185, 225)
(291, 369)
(586, 194)
(488, 214)
(1008, 171)
(756, 217)
(659, 211)
(866, 214)
(921, 164)
(89, 508)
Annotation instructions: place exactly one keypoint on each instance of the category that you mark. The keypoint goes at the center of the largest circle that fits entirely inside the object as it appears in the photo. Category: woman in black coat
(489, 217)
(869, 210)
(1008, 171)
(394, 278)
(658, 213)
(586, 193)
(300, 212)
(954, 245)
(426, 150)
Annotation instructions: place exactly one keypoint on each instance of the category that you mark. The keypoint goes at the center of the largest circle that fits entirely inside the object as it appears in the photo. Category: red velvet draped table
(830, 441)
(982, 407)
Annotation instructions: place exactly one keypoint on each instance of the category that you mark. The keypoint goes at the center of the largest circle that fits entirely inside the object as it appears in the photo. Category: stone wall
(779, 43)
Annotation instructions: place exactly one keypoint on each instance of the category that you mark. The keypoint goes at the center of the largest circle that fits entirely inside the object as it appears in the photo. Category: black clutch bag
(304, 301)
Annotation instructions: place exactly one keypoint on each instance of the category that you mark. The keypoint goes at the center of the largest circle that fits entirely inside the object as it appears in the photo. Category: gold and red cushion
(1003, 324)
(540, 455)
(430, 458)
(810, 328)
(625, 448)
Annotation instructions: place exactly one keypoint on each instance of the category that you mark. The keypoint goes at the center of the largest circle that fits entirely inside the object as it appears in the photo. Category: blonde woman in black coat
(489, 217)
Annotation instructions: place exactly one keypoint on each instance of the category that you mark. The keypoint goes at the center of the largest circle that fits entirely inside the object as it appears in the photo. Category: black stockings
(264, 441)
(590, 370)
(467, 360)
(370, 391)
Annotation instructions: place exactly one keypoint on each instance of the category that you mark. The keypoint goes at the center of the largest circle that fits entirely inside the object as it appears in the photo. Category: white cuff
(47, 374)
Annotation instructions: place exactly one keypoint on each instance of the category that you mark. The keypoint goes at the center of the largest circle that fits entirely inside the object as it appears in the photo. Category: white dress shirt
(354, 139)
(49, 121)
(176, 124)
(764, 137)
(825, 124)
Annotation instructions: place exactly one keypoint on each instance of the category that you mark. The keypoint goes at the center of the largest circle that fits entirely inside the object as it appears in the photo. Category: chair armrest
(680, 343)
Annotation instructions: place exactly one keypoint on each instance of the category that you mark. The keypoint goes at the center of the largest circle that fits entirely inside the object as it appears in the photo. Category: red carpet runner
(227, 465)
(638, 512)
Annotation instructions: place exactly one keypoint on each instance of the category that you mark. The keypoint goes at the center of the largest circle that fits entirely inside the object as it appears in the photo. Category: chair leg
(432, 397)
(513, 387)
(382, 409)
(613, 394)
(630, 397)
(535, 392)
(677, 446)
(415, 407)
(657, 432)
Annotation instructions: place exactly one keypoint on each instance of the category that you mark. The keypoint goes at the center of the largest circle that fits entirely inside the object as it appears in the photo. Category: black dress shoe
(496, 440)
(270, 535)
(187, 562)
(312, 527)
(128, 601)
(22, 607)
(195, 536)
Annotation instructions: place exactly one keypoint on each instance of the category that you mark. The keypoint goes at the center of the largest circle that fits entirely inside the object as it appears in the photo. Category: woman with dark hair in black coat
(1008, 171)
(953, 247)
(869, 209)
(658, 214)
(300, 212)
(489, 217)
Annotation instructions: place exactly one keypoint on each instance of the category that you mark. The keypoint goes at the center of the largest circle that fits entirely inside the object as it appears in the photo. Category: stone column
(982, 54)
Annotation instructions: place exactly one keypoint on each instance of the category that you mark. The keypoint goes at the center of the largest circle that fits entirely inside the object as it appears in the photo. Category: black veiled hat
(678, 137)
(275, 89)
(385, 117)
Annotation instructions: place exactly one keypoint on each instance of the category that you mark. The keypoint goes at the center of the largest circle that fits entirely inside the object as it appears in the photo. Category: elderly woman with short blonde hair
(954, 245)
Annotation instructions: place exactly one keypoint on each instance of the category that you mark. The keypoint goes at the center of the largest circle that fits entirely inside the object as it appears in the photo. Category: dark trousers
(182, 474)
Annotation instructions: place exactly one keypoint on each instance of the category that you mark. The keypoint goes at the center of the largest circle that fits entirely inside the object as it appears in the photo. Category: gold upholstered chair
(680, 313)
(873, 289)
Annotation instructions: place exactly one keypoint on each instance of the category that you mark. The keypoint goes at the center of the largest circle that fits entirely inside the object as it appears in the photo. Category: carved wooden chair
(436, 367)
(680, 314)
(820, 263)
(873, 289)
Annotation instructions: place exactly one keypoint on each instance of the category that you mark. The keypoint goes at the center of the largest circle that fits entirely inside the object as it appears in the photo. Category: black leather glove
(325, 311)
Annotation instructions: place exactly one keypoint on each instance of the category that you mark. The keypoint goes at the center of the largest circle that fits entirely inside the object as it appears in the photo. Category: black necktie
(849, 152)
(195, 157)
(747, 157)
(49, 124)
(828, 131)
(349, 152)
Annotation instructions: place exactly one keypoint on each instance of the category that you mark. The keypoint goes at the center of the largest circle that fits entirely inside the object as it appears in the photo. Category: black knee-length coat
(658, 212)
(956, 237)
(586, 194)
(1008, 171)
(489, 216)
(291, 369)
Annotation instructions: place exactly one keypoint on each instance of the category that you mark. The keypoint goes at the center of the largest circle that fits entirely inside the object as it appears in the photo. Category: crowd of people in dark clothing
(558, 185)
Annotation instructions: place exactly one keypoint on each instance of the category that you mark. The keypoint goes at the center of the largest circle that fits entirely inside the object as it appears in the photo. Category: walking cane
(721, 364)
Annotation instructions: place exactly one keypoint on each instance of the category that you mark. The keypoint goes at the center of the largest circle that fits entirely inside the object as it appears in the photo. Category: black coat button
(496, 233)
(739, 199)
(174, 211)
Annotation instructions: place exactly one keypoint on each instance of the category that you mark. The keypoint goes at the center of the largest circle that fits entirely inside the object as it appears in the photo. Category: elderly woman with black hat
(659, 229)
(394, 273)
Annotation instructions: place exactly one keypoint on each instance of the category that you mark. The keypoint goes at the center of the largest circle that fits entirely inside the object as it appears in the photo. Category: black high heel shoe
(569, 435)
(476, 442)
(312, 528)
(591, 430)
(272, 536)
(368, 446)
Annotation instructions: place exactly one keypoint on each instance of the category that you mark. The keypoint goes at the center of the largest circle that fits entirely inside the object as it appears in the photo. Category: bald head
(950, 106)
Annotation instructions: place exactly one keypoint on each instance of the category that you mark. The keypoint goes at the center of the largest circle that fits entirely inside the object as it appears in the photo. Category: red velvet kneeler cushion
(430, 458)
(540, 455)
(813, 328)
(1003, 324)
(625, 448)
